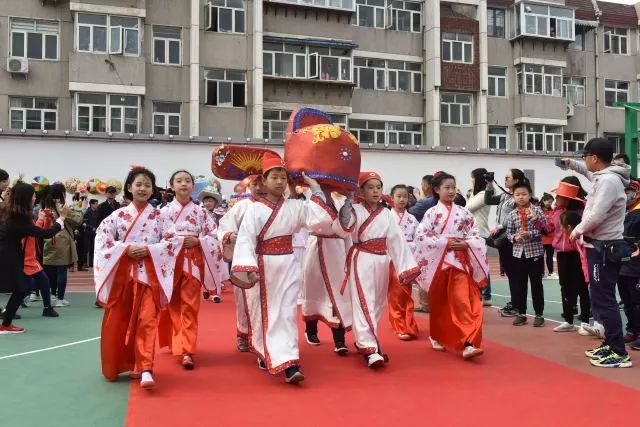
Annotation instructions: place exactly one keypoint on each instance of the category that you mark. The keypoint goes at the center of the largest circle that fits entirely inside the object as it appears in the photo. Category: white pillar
(194, 69)
(258, 102)
(432, 73)
(482, 128)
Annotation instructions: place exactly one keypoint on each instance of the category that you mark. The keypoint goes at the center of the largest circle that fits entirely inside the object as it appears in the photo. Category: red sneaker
(11, 329)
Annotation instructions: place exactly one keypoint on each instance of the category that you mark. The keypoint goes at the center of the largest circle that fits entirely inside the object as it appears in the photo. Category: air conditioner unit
(17, 65)
(571, 110)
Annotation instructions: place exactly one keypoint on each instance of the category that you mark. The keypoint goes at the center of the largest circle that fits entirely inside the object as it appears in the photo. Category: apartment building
(478, 75)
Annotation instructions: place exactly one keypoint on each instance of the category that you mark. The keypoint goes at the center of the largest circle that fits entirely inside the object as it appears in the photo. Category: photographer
(480, 211)
(602, 227)
(505, 204)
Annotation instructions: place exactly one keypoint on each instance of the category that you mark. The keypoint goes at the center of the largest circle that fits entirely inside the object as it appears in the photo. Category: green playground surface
(51, 374)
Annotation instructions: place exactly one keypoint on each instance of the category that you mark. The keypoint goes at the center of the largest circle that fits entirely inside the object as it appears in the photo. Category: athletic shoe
(35, 297)
(242, 345)
(512, 312)
(635, 345)
(436, 345)
(470, 352)
(146, 380)
(292, 375)
(583, 331)
(597, 330)
(54, 300)
(10, 330)
(217, 299)
(375, 361)
(341, 349)
(405, 337)
(553, 276)
(613, 360)
(135, 375)
(421, 309)
(15, 316)
(598, 352)
(312, 339)
(538, 321)
(49, 312)
(507, 307)
(262, 365)
(565, 327)
(487, 302)
(187, 362)
(630, 337)
(25, 302)
(520, 320)
(64, 302)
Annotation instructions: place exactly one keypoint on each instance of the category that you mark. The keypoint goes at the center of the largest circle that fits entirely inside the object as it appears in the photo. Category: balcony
(347, 6)
(542, 21)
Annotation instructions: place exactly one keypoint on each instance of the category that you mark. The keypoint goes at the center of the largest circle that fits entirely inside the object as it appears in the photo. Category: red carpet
(419, 386)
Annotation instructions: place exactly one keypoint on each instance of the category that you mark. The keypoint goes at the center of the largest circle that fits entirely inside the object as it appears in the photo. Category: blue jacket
(419, 209)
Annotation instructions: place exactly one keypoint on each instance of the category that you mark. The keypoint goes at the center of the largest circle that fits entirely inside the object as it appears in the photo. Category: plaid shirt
(532, 246)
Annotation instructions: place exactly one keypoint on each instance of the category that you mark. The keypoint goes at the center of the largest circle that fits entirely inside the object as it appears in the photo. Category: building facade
(504, 75)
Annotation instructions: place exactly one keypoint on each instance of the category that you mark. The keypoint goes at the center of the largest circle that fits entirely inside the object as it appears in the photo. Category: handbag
(499, 240)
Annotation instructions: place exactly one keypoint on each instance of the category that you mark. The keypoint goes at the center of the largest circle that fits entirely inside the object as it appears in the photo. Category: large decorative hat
(92, 185)
(39, 182)
(209, 192)
(322, 150)
(237, 163)
(366, 176)
(568, 191)
(270, 161)
(72, 185)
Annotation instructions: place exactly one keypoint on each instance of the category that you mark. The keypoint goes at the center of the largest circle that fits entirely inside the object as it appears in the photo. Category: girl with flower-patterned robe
(195, 268)
(453, 278)
(377, 241)
(399, 296)
(132, 291)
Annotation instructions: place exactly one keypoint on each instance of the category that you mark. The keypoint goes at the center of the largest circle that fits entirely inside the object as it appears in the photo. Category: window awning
(585, 23)
(311, 42)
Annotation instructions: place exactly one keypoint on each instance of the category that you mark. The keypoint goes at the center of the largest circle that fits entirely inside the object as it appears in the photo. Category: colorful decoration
(236, 163)
(199, 184)
(324, 151)
(115, 183)
(39, 183)
(72, 185)
(215, 184)
(101, 187)
(92, 185)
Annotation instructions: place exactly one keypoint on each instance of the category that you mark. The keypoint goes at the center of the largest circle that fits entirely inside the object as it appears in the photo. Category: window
(274, 124)
(617, 139)
(120, 37)
(532, 137)
(616, 41)
(405, 16)
(574, 142)
(225, 16)
(99, 112)
(284, 60)
(615, 91)
(544, 21)
(166, 45)
(497, 137)
(329, 64)
(226, 88)
(574, 90)
(539, 80)
(380, 132)
(495, 22)
(331, 4)
(381, 74)
(455, 109)
(370, 13)
(34, 39)
(497, 81)
(457, 47)
(166, 118)
(579, 42)
(33, 113)
(302, 61)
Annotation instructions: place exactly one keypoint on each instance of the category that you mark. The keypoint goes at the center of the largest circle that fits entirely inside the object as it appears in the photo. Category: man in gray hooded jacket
(603, 221)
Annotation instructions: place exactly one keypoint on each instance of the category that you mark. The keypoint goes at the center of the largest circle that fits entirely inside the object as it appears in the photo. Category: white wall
(60, 158)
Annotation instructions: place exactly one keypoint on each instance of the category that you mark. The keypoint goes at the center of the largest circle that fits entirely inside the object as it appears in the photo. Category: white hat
(209, 192)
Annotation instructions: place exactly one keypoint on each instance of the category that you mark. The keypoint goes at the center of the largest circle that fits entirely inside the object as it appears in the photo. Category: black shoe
(242, 344)
(341, 349)
(293, 375)
(312, 339)
(262, 365)
(520, 320)
(538, 321)
(15, 316)
(509, 313)
(508, 306)
(49, 312)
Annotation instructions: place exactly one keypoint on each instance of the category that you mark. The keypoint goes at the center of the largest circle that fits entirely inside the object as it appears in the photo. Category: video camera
(489, 176)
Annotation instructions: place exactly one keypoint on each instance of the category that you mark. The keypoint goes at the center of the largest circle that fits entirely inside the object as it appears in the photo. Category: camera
(489, 176)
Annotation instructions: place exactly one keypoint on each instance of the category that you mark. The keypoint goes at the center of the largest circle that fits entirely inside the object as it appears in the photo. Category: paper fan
(236, 163)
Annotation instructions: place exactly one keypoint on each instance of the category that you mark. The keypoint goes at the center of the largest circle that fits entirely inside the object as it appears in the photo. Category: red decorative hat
(366, 176)
(270, 161)
(568, 191)
(322, 150)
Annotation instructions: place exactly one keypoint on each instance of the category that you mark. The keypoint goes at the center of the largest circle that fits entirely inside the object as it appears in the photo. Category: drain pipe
(258, 102)
(596, 57)
(194, 69)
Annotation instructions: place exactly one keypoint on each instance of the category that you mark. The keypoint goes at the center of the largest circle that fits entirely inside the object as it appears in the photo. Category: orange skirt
(400, 305)
(456, 310)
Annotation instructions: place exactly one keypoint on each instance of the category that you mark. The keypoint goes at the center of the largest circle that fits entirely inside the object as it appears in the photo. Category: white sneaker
(436, 345)
(64, 302)
(60, 303)
(597, 330)
(565, 327)
(146, 380)
(35, 297)
(553, 276)
(26, 301)
(470, 352)
(375, 360)
(54, 300)
(216, 299)
(583, 331)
